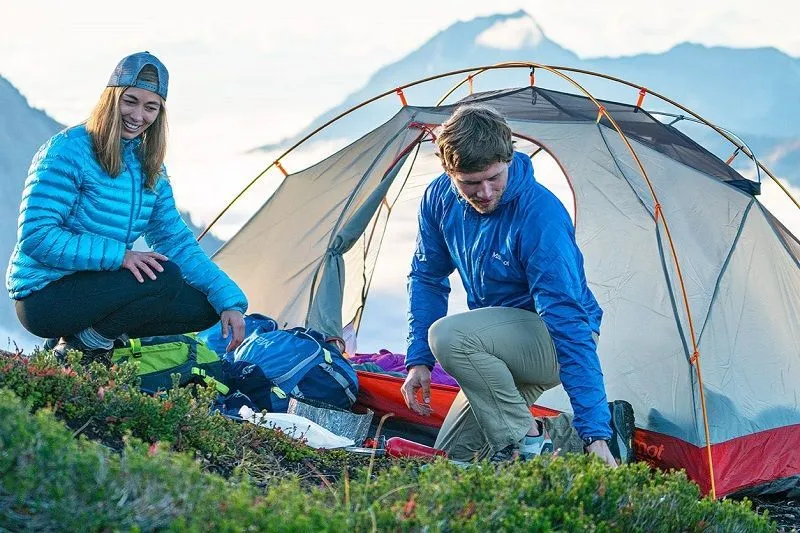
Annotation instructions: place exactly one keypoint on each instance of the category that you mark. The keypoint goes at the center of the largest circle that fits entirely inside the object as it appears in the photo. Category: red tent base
(740, 463)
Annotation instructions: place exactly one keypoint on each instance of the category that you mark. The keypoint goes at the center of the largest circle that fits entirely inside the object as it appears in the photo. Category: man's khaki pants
(504, 359)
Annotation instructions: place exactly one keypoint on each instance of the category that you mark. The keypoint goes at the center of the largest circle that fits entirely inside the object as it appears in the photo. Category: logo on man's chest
(496, 255)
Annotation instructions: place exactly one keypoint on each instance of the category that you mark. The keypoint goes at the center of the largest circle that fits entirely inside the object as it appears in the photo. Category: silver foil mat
(343, 423)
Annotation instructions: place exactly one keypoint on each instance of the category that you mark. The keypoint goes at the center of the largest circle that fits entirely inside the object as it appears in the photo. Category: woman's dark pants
(114, 303)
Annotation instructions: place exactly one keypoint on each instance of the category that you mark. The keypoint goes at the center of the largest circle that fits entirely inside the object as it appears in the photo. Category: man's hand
(600, 449)
(232, 320)
(419, 377)
(143, 263)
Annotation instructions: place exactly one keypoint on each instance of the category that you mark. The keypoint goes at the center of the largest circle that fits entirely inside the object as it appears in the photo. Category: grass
(83, 449)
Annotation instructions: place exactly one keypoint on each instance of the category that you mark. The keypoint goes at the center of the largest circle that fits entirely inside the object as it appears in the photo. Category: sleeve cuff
(420, 360)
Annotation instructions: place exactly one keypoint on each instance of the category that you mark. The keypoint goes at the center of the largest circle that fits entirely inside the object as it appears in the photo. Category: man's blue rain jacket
(521, 255)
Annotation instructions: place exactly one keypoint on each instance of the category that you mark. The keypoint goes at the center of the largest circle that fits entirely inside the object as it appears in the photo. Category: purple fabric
(395, 362)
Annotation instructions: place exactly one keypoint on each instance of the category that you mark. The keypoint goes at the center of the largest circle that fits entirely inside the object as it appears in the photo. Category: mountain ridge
(759, 77)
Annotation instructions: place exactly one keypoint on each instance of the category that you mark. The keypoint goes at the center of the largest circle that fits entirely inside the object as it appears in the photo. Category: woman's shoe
(70, 342)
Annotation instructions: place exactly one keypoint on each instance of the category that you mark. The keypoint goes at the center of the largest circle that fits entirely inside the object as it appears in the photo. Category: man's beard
(484, 208)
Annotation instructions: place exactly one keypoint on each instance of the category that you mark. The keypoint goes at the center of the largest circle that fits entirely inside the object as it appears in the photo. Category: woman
(91, 191)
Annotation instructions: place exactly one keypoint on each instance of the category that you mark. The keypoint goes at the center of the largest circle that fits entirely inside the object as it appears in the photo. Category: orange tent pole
(720, 131)
(642, 93)
(402, 96)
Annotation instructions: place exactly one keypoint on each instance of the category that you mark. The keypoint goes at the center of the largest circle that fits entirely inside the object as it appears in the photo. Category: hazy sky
(309, 55)
(245, 73)
(260, 71)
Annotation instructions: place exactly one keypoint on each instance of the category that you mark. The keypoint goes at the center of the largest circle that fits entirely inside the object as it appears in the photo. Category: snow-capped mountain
(752, 92)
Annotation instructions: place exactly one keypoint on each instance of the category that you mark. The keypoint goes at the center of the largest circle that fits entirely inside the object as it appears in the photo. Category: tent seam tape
(614, 158)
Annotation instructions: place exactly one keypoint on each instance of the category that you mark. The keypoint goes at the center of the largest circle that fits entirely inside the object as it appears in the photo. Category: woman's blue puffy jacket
(75, 217)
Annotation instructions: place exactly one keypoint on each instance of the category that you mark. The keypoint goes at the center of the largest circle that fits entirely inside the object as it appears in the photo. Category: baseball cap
(127, 73)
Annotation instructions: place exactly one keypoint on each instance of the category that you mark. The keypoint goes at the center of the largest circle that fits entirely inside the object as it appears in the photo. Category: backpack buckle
(136, 347)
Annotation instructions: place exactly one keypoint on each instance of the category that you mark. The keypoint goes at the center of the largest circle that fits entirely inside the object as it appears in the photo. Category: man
(533, 322)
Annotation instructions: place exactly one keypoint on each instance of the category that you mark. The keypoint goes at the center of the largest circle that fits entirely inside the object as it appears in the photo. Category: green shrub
(105, 404)
(572, 493)
(52, 481)
(157, 462)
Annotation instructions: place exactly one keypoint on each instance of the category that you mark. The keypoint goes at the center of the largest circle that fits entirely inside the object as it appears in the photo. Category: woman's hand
(143, 262)
(232, 320)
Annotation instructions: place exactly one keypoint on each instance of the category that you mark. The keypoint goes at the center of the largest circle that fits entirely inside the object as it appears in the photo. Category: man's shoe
(622, 426)
(527, 448)
(530, 447)
(506, 455)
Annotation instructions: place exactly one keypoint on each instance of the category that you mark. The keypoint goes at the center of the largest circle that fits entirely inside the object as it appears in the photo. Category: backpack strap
(192, 343)
(336, 341)
(200, 375)
(327, 366)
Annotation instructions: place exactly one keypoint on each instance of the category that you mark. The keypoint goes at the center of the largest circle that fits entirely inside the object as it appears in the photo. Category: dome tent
(699, 282)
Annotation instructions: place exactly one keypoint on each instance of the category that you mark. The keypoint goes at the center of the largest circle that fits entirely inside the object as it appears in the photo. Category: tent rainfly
(699, 282)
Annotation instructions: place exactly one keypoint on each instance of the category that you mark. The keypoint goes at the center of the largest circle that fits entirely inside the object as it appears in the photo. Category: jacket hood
(519, 173)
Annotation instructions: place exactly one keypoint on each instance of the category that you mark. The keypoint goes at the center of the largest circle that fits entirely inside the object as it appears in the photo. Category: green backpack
(160, 357)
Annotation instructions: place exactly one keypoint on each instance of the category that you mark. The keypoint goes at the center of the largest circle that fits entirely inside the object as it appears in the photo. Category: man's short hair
(473, 138)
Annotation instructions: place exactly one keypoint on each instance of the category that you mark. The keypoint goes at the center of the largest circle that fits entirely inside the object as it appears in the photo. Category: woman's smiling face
(139, 109)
